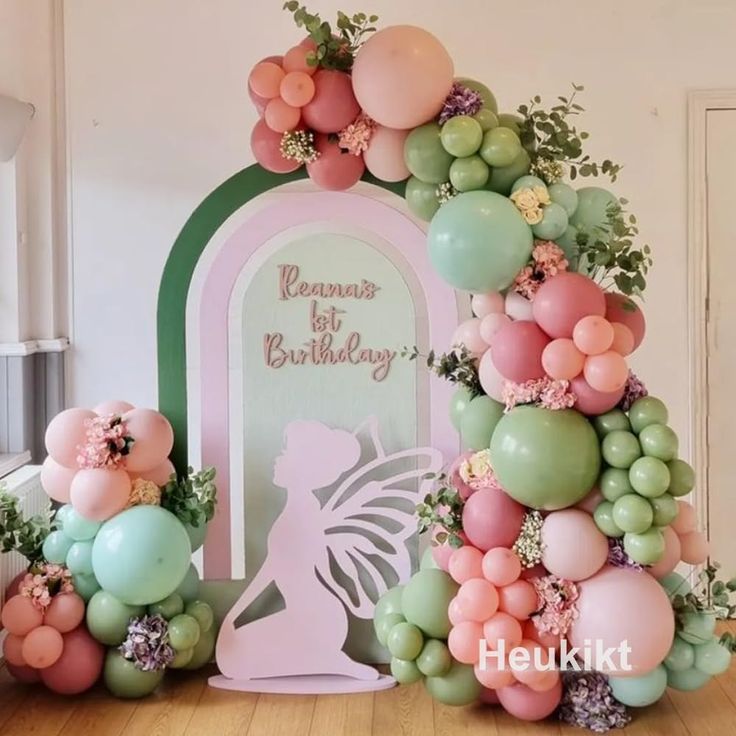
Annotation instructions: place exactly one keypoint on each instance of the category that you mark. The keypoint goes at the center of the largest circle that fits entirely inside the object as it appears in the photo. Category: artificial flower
(476, 471)
(528, 545)
(545, 392)
(144, 493)
(445, 192)
(44, 582)
(588, 702)
(107, 443)
(547, 260)
(356, 136)
(147, 643)
(298, 145)
(548, 169)
(633, 390)
(617, 556)
(530, 202)
(557, 599)
(461, 100)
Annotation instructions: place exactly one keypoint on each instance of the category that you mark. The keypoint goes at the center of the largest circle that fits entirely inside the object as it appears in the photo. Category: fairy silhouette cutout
(324, 557)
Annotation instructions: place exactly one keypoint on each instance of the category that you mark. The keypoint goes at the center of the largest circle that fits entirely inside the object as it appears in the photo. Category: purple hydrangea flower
(461, 101)
(147, 644)
(588, 702)
(634, 389)
(618, 557)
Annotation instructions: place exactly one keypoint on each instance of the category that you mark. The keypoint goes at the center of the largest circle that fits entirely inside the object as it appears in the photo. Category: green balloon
(591, 213)
(503, 177)
(389, 602)
(189, 587)
(428, 562)
(79, 558)
(181, 659)
(203, 650)
(682, 478)
(567, 241)
(383, 625)
(697, 627)
(632, 513)
(488, 98)
(511, 121)
(467, 174)
(649, 477)
(528, 182)
(61, 514)
(645, 411)
(197, 533)
(479, 241)
(675, 584)
(169, 607)
(85, 585)
(553, 224)
(712, 658)
(545, 459)
(405, 672)
(434, 660)
(646, 548)
(665, 509)
(124, 680)
(486, 118)
(461, 136)
(460, 400)
(421, 198)
(638, 692)
(425, 599)
(681, 656)
(500, 147)
(78, 528)
(405, 641)
(458, 687)
(620, 449)
(108, 618)
(56, 547)
(687, 680)
(478, 421)
(184, 632)
(202, 612)
(603, 517)
(614, 483)
(660, 441)
(610, 422)
(565, 196)
(424, 155)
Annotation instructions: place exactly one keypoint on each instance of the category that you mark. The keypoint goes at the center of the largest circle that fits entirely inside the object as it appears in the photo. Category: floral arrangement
(531, 201)
(633, 391)
(43, 582)
(144, 493)
(355, 137)
(588, 702)
(618, 558)
(107, 444)
(461, 100)
(547, 260)
(442, 509)
(557, 604)
(18, 534)
(476, 471)
(298, 146)
(147, 643)
(544, 392)
(528, 546)
(458, 366)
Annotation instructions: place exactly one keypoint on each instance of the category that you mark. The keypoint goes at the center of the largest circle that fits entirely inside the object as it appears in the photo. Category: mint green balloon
(682, 478)
(434, 660)
(620, 449)
(61, 514)
(681, 656)
(404, 671)
(383, 625)
(675, 584)
(528, 182)
(467, 174)
(203, 651)
(184, 632)
(665, 509)
(553, 224)
(188, 589)
(389, 602)
(458, 686)
(202, 612)
(478, 421)
(405, 641)
(78, 528)
(638, 692)
(486, 118)
(565, 196)
(614, 483)
(697, 627)
(428, 562)
(461, 136)
(500, 147)
(545, 459)
(503, 177)
(124, 680)
(611, 421)
(479, 242)
(645, 411)
(458, 403)
(712, 658)
(687, 680)
(632, 513)
(85, 585)
(488, 98)
(79, 558)
(421, 198)
(649, 477)
(425, 599)
(108, 618)
(603, 517)
(591, 213)
(660, 441)
(425, 156)
(568, 242)
(646, 548)
(56, 547)
(511, 121)
(169, 607)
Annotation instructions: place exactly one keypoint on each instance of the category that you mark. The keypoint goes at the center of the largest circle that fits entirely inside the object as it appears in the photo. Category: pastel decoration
(562, 360)
(491, 324)
(333, 106)
(265, 79)
(296, 60)
(517, 351)
(606, 372)
(65, 612)
(485, 304)
(593, 335)
(65, 433)
(56, 479)
(79, 666)
(384, 157)
(694, 548)
(297, 88)
(259, 102)
(42, 647)
(19, 616)
(334, 169)
(564, 534)
(518, 599)
(490, 379)
(671, 556)
(562, 301)
(623, 339)
(115, 406)
(686, 520)
(518, 307)
(266, 147)
(468, 334)
(99, 493)
(492, 519)
(592, 402)
(280, 116)
(153, 437)
(626, 311)
(160, 475)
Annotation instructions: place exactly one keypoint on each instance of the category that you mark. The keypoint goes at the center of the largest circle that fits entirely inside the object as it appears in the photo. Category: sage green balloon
(425, 599)
(591, 213)
(79, 528)
(647, 410)
(383, 625)
(182, 658)
(553, 224)
(184, 631)
(632, 513)
(500, 147)
(638, 692)
(611, 421)
(85, 585)
(478, 421)
(528, 182)
(169, 607)
(488, 98)
(545, 459)
(467, 174)
(461, 136)
(189, 587)
(567, 241)
(682, 478)
(675, 584)
(425, 156)
(389, 602)
(503, 177)
(203, 650)
(660, 441)
(428, 562)
(56, 547)
(405, 671)
(202, 612)
(486, 118)
(197, 533)
(565, 196)
(649, 477)
(458, 403)
(405, 641)
(435, 659)
(687, 680)
(603, 517)
(614, 483)
(478, 242)
(712, 657)
(681, 656)
(620, 449)
(108, 618)
(79, 558)
(697, 627)
(421, 198)
(665, 509)
(646, 548)
(458, 686)
(124, 680)
(511, 121)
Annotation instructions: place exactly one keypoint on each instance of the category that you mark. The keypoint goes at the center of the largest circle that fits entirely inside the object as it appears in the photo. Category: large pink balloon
(79, 666)
(65, 433)
(13, 650)
(517, 351)
(564, 300)
(42, 647)
(65, 612)
(98, 493)
(622, 605)
(491, 518)
(694, 548)
(592, 402)
(56, 479)
(266, 146)
(620, 308)
(574, 547)
(401, 76)
(491, 380)
(160, 475)
(114, 406)
(385, 155)
(154, 439)
(333, 106)
(334, 169)
(671, 556)
(468, 334)
(529, 705)
(686, 520)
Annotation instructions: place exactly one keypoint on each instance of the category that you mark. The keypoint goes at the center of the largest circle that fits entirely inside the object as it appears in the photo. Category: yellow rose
(542, 195)
(525, 199)
(533, 217)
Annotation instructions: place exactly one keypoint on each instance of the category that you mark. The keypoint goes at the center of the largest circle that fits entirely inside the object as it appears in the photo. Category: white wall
(159, 116)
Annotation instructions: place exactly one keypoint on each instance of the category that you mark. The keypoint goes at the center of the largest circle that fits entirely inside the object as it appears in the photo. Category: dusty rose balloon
(98, 493)
(491, 380)
(564, 300)
(401, 76)
(590, 503)
(260, 102)
(266, 146)
(463, 641)
(694, 548)
(488, 695)
(56, 479)
(265, 78)
(19, 616)
(42, 647)
(26, 675)
(592, 402)
(441, 553)
(485, 304)
(281, 117)
(333, 106)
(593, 335)
(574, 547)
(518, 307)
(502, 627)
(478, 599)
(334, 169)
(492, 676)
(65, 612)
(686, 520)
(468, 333)
(385, 155)
(606, 372)
(160, 475)
(518, 599)
(465, 564)
(620, 308)
(297, 88)
(491, 324)
(65, 433)
(671, 556)
(545, 680)
(620, 604)
(501, 566)
(79, 666)
(562, 360)
(517, 351)
(526, 704)
(623, 339)
(13, 650)
(154, 439)
(491, 518)
(295, 59)
(115, 406)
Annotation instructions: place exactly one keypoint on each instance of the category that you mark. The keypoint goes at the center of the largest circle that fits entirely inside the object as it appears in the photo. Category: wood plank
(282, 715)
(510, 726)
(470, 721)
(12, 696)
(403, 711)
(99, 713)
(222, 712)
(660, 719)
(343, 715)
(705, 712)
(42, 713)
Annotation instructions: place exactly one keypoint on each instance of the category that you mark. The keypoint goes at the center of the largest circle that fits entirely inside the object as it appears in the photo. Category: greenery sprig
(191, 499)
(335, 49)
(457, 366)
(18, 534)
(442, 508)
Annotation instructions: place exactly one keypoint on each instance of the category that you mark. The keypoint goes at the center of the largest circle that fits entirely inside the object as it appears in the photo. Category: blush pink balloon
(519, 599)
(468, 333)
(562, 360)
(564, 534)
(98, 493)
(502, 627)
(259, 102)
(79, 666)
(623, 339)
(593, 335)
(441, 553)
(115, 406)
(455, 612)
(42, 647)
(562, 301)
(694, 548)
(478, 599)
(517, 351)
(606, 372)
(465, 564)
(297, 89)
(491, 518)
(463, 642)
(485, 304)
(620, 308)
(266, 147)
(160, 475)
(384, 157)
(671, 556)
(526, 704)
(550, 641)
(530, 675)
(265, 78)
(334, 169)
(401, 76)
(491, 380)
(56, 479)
(491, 324)
(590, 503)
(492, 677)
(333, 106)
(65, 433)
(26, 675)
(65, 612)
(295, 59)
(501, 566)
(154, 439)
(686, 520)
(13, 650)
(545, 680)
(518, 307)
(19, 616)
(281, 117)
(592, 402)
(620, 604)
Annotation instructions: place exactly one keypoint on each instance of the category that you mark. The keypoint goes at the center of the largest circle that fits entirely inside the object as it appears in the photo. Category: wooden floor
(187, 707)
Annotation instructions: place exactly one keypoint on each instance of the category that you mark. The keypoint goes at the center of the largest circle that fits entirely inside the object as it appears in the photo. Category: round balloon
(124, 680)
(562, 301)
(591, 214)
(334, 169)
(65, 433)
(478, 421)
(79, 666)
(57, 479)
(266, 147)
(425, 599)
(154, 439)
(384, 157)
(491, 518)
(564, 534)
(626, 311)
(333, 105)
(517, 351)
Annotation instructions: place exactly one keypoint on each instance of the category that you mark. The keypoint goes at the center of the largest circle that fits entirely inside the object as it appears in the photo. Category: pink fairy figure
(360, 530)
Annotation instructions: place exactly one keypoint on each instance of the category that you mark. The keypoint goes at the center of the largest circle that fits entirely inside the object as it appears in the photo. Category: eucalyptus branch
(18, 534)
(191, 499)
(458, 366)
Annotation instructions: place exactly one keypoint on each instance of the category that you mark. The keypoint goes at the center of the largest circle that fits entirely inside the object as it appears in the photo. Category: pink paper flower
(356, 136)
(633, 390)
(544, 392)
(548, 259)
(108, 443)
(41, 586)
(557, 604)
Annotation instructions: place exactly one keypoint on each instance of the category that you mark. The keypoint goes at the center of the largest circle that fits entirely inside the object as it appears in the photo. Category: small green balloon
(712, 658)
(434, 660)
(404, 671)
(202, 612)
(405, 641)
(124, 680)
(649, 477)
(425, 600)
(611, 421)
(503, 177)
(660, 441)
(184, 632)
(428, 562)
(458, 686)
(169, 607)
(56, 547)
(646, 548)
(681, 656)
(614, 483)
(189, 587)
(675, 584)
(203, 650)
(697, 627)
(500, 147)
(79, 558)
(467, 174)
(687, 680)
(78, 528)
(389, 602)
(383, 625)
(665, 509)
(591, 214)
(603, 517)
(425, 156)
(565, 196)
(461, 136)
(553, 224)
(478, 421)
(488, 98)
(528, 182)
(620, 449)
(638, 692)
(421, 198)
(85, 585)
(682, 478)
(511, 121)
(108, 618)
(632, 513)
(181, 659)
(458, 403)
(486, 118)
(645, 411)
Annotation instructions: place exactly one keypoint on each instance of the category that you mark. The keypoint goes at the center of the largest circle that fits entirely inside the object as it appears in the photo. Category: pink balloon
(295, 59)
(526, 704)
(154, 439)
(592, 402)
(26, 675)
(491, 380)
(502, 627)
(518, 307)
(385, 155)
(98, 493)
(463, 489)
(463, 642)
(686, 520)
(550, 641)
(623, 339)
(13, 650)
(19, 616)
(491, 324)
(501, 566)
(334, 169)
(160, 475)
(79, 666)
(281, 117)
(468, 333)
(564, 534)
(671, 556)
(65, 433)
(544, 681)
(606, 372)
(42, 647)
(114, 406)
(590, 503)
(488, 696)
(465, 564)
(562, 360)
(562, 301)
(622, 605)
(519, 599)
(478, 599)
(333, 106)
(258, 101)
(620, 308)
(455, 612)
(65, 612)
(492, 677)
(441, 553)
(517, 351)
(593, 335)
(297, 89)
(485, 304)
(57, 479)
(694, 548)
(401, 76)
(491, 518)
(266, 146)
(529, 674)
(265, 78)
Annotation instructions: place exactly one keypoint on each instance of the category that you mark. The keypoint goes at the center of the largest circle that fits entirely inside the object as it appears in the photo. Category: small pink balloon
(519, 599)
(478, 599)
(465, 564)
(334, 169)
(295, 59)
(485, 304)
(620, 308)
(517, 351)
(115, 406)
(463, 642)
(562, 301)
(501, 566)
(550, 641)
(65, 612)
(297, 89)
(98, 493)
(491, 518)
(564, 534)
(671, 556)
(19, 616)
(333, 106)
(591, 502)
(281, 117)
(384, 157)
(468, 334)
(13, 650)
(491, 324)
(455, 612)
(694, 548)
(546, 680)
(441, 553)
(56, 479)
(532, 674)
(623, 339)
(265, 78)
(258, 101)
(491, 380)
(65, 433)
(42, 647)
(592, 402)
(266, 147)
(26, 675)
(491, 676)
(606, 372)
(562, 360)
(518, 307)
(160, 475)
(686, 520)
(502, 627)
(488, 696)
(79, 666)
(154, 439)
(593, 335)
(526, 704)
